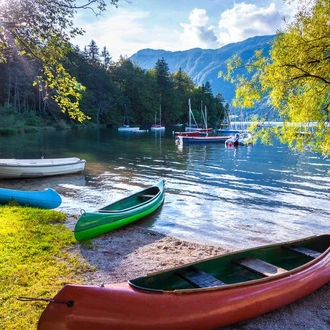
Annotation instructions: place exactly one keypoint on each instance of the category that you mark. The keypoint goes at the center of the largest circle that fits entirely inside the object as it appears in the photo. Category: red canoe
(203, 295)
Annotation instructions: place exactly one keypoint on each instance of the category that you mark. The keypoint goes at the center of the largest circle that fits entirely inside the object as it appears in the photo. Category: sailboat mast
(189, 113)
(205, 117)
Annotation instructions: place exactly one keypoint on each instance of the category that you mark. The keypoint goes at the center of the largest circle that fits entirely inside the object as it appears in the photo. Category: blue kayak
(46, 199)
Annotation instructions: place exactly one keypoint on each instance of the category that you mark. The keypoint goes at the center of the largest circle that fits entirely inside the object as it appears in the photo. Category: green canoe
(120, 213)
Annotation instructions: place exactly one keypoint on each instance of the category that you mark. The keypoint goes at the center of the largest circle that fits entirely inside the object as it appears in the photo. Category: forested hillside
(110, 90)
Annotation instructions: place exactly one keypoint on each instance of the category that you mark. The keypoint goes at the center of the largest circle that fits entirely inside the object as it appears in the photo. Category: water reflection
(234, 197)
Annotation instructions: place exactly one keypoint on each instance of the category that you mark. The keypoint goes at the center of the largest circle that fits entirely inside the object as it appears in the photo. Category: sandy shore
(133, 251)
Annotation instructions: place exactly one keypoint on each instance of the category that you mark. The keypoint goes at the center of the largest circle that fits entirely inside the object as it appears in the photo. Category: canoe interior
(238, 267)
(132, 201)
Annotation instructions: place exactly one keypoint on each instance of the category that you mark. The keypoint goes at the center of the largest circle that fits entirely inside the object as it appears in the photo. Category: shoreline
(134, 251)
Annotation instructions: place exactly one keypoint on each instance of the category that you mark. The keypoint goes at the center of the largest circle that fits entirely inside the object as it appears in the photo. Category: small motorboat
(203, 295)
(120, 213)
(46, 199)
(241, 139)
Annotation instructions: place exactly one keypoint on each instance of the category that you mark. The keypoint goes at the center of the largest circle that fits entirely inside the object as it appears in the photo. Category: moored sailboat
(158, 127)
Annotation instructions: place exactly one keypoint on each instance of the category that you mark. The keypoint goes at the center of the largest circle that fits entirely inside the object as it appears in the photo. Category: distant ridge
(204, 64)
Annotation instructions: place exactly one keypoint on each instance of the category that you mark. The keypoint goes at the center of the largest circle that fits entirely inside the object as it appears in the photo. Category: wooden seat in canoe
(302, 250)
(200, 279)
(260, 267)
(146, 197)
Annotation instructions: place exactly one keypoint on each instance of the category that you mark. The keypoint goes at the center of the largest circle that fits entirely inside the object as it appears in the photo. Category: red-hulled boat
(204, 131)
(192, 133)
(203, 295)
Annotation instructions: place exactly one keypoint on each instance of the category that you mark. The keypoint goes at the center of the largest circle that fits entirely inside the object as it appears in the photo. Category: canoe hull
(91, 225)
(33, 168)
(121, 306)
(46, 199)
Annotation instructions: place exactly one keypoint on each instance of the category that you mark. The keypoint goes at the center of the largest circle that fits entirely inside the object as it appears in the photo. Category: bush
(30, 129)
(7, 131)
(31, 119)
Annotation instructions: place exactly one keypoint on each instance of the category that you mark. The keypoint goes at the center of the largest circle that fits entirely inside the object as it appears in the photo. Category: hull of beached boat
(169, 300)
(46, 199)
(32, 168)
(120, 213)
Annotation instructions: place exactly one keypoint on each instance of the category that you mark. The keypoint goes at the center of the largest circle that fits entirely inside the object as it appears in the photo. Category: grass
(34, 262)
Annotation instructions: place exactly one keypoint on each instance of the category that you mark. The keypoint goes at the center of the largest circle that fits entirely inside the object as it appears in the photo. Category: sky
(178, 25)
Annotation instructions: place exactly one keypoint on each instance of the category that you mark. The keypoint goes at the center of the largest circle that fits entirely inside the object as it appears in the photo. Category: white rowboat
(32, 168)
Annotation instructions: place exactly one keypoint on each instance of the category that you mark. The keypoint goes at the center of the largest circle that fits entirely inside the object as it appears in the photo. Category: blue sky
(180, 24)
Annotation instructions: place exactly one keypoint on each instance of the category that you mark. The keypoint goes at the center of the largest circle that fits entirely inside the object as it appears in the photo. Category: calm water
(236, 198)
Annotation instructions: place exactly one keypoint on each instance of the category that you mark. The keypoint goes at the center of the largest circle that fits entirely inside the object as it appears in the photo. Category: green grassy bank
(34, 262)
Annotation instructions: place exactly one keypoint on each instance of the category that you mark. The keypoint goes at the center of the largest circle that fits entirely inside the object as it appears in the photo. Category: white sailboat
(191, 127)
(126, 126)
(233, 127)
(194, 127)
(205, 130)
(158, 127)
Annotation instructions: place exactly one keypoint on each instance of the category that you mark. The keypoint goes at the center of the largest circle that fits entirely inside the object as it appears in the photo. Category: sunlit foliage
(42, 31)
(295, 80)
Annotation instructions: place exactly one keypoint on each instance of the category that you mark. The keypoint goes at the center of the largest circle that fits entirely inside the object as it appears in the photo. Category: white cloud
(127, 30)
(247, 20)
(117, 32)
(124, 32)
(198, 33)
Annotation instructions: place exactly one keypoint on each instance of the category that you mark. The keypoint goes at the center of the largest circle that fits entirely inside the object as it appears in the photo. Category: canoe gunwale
(118, 212)
(269, 279)
(149, 201)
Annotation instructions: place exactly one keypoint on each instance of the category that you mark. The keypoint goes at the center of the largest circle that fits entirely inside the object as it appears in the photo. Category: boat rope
(69, 303)
(82, 211)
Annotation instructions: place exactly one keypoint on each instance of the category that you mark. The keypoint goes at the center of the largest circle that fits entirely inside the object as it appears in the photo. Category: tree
(93, 54)
(183, 88)
(295, 78)
(106, 59)
(165, 88)
(42, 30)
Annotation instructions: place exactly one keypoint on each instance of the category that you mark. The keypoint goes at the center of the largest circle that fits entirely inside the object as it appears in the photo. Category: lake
(236, 198)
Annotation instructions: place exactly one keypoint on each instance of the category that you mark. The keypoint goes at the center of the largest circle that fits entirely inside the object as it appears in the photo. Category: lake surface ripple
(236, 198)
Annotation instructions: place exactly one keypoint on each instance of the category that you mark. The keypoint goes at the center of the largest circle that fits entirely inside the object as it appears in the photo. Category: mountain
(203, 65)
